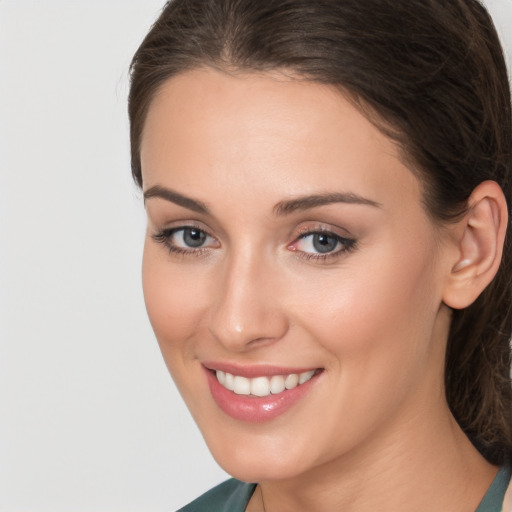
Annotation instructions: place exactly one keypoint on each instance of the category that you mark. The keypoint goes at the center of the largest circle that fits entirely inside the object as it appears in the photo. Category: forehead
(259, 129)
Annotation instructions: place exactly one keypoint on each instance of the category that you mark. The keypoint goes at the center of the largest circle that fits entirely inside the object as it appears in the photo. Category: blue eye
(190, 237)
(186, 239)
(322, 244)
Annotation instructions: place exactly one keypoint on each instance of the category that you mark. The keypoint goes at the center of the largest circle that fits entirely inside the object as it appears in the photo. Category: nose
(246, 310)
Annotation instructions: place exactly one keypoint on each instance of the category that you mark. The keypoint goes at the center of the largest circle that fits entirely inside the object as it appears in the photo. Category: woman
(325, 268)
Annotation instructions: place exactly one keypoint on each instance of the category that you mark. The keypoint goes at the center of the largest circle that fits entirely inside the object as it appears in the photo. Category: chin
(259, 463)
(259, 471)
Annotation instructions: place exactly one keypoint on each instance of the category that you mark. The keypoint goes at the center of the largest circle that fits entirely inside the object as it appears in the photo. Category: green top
(233, 496)
(493, 499)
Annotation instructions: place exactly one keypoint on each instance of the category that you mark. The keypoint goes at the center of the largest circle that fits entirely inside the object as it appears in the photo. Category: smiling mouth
(261, 393)
(263, 386)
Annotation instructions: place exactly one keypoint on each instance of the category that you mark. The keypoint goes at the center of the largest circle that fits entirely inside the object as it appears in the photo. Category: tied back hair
(431, 75)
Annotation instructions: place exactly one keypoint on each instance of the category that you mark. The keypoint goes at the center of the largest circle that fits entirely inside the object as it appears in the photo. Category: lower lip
(256, 409)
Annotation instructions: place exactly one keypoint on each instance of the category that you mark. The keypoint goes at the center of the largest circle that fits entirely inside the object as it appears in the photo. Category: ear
(479, 246)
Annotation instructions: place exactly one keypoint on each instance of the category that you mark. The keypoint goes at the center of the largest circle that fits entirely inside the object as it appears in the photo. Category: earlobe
(479, 246)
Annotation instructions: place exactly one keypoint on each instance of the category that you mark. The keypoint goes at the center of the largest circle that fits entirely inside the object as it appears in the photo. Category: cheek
(376, 330)
(173, 303)
(380, 309)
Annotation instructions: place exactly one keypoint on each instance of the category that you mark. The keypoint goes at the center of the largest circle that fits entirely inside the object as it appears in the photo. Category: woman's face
(287, 242)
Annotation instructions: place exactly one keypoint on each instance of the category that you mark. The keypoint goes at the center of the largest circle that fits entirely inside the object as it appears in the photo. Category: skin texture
(374, 432)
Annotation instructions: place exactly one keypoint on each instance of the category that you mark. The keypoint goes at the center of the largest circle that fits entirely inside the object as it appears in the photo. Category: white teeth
(229, 381)
(262, 386)
(304, 377)
(241, 385)
(291, 381)
(277, 384)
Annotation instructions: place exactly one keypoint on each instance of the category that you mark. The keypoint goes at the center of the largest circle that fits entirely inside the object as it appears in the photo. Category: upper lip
(252, 371)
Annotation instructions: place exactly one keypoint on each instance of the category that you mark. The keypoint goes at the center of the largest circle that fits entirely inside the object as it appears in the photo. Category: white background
(89, 418)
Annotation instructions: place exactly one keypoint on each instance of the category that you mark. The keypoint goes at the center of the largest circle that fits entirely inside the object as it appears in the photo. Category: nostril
(259, 341)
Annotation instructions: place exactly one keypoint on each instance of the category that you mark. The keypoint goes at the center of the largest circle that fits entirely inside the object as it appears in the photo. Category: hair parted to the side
(431, 74)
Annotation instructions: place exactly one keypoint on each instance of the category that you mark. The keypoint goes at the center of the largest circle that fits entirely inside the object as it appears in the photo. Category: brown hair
(433, 72)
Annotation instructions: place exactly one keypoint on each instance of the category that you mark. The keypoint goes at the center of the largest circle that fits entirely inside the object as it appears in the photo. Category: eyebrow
(282, 208)
(176, 198)
(307, 202)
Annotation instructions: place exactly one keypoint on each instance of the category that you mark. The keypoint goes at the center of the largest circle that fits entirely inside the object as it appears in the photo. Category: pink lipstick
(258, 393)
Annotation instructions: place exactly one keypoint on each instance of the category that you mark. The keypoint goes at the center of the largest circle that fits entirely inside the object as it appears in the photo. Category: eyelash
(165, 235)
(348, 244)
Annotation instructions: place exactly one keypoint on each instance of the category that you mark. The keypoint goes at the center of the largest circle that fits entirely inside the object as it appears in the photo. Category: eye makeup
(319, 243)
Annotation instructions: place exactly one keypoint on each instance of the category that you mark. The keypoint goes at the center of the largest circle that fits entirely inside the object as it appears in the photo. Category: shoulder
(230, 496)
